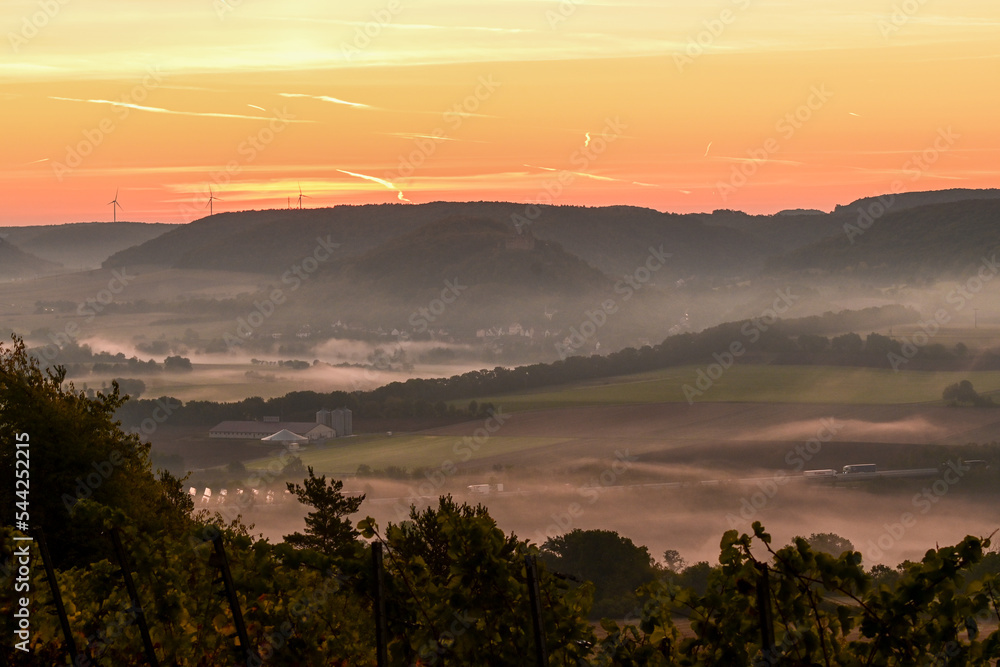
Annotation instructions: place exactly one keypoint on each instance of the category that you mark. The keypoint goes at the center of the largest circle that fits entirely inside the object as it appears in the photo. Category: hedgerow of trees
(436, 397)
(963, 392)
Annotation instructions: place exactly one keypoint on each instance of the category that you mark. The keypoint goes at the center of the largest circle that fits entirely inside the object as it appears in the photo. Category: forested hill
(16, 263)
(612, 239)
(926, 242)
(476, 250)
(933, 233)
(907, 200)
(82, 245)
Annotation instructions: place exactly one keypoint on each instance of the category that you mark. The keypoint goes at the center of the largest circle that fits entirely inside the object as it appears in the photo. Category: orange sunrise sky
(678, 105)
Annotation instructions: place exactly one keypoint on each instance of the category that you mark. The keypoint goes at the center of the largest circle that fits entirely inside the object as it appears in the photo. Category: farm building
(328, 424)
(290, 440)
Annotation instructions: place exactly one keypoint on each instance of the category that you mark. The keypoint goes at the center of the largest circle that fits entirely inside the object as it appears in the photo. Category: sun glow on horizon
(679, 106)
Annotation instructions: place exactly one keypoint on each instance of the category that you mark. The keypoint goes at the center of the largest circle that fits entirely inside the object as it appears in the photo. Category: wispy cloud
(312, 20)
(595, 176)
(462, 28)
(415, 135)
(747, 160)
(201, 114)
(327, 98)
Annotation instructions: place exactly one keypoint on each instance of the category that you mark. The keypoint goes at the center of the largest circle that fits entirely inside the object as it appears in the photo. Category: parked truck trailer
(855, 468)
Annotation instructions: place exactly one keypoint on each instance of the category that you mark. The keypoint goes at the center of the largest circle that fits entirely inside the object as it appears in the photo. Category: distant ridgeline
(799, 341)
(900, 235)
(916, 235)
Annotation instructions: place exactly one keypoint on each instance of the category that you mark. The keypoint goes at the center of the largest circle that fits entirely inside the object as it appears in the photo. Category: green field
(407, 451)
(755, 384)
(791, 385)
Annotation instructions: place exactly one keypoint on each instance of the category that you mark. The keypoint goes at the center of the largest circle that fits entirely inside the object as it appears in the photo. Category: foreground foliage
(457, 595)
(76, 451)
(826, 611)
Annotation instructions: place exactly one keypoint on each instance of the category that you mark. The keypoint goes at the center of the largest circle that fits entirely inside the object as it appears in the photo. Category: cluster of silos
(339, 420)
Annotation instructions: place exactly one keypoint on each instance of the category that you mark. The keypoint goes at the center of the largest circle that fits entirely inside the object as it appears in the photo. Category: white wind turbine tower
(211, 198)
(301, 196)
(114, 207)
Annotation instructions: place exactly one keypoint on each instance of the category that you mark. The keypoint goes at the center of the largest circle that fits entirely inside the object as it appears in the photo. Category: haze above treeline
(464, 285)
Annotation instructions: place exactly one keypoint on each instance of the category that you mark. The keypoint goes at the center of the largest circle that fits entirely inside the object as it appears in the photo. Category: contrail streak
(380, 181)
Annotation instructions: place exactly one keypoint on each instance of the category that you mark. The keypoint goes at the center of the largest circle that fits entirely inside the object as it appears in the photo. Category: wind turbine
(114, 203)
(301, 196)
(211, 198)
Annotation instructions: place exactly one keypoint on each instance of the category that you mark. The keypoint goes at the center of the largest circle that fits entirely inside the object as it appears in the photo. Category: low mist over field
(678, 476)
(898, 524)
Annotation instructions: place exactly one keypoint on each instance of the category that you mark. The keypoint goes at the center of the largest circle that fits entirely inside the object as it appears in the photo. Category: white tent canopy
(284, 435)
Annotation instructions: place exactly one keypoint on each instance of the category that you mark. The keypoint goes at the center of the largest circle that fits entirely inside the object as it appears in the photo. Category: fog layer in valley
(887, 527)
